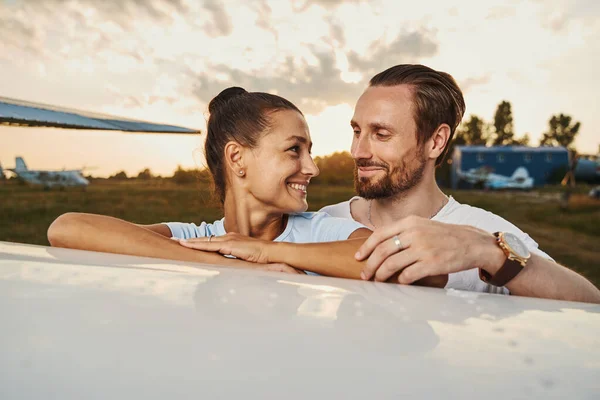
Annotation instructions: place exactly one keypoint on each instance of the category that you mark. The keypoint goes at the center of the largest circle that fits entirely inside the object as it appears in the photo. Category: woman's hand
(234, 244)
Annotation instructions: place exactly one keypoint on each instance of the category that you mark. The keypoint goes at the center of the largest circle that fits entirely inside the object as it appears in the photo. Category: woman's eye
(295, 149)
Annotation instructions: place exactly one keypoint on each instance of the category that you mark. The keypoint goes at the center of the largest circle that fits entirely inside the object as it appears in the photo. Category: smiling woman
(258, 150)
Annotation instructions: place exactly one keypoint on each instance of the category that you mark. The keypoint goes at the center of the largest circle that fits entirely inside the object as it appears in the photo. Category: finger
(394, 264)
(380, 235)
(384, 250)
(204, 246)
(415, 272)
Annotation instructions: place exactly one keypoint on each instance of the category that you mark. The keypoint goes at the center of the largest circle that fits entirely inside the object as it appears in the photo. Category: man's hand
(234, 244)
(415, 248)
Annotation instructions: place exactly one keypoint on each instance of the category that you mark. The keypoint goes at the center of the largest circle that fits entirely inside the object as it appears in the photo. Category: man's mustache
(366, 163)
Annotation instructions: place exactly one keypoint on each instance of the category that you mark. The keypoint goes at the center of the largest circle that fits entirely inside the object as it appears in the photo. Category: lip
(367, 172)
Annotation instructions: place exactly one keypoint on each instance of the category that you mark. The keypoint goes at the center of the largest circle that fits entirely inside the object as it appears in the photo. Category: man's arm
(112, 235)
(433, 248)
(541, 277)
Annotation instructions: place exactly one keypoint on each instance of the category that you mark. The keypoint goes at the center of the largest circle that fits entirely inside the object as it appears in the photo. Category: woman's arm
(325, 258)
(113, 235)
(161, 229)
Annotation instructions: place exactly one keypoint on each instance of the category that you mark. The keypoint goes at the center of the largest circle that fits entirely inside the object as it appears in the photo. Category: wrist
(491, 256)
(273, 253)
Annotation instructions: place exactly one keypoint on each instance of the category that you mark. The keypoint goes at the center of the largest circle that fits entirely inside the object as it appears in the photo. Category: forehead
(392, 105)
(286, 123)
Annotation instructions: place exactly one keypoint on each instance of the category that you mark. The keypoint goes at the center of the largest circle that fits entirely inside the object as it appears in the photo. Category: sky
(163, 60)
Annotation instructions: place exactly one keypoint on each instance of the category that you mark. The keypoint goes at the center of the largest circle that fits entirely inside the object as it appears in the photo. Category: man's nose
(361, 148)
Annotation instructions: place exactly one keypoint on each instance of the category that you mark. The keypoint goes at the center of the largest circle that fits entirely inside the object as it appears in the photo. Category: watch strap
(505, 274)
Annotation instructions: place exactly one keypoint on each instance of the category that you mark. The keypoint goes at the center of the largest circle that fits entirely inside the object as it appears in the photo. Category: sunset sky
(163, 60)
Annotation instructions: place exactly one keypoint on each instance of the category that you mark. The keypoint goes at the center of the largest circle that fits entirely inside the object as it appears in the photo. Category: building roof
(24, 113)
(511, 149)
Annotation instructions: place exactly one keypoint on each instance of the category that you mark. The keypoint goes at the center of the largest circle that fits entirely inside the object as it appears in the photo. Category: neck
(424, 200)
(244, 216)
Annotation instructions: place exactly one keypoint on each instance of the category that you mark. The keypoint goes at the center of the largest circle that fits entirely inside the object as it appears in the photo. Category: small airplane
(48, 179)
(20, 113)
(485, 177)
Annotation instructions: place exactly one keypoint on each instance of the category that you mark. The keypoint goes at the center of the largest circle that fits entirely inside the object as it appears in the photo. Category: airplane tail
(520, 172)
(20, 164)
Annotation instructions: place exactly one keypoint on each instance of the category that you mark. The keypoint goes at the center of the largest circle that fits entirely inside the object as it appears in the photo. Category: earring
(241, 172)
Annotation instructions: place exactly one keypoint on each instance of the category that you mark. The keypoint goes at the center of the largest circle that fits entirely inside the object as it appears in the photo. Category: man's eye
(382, 136)
(356, 132)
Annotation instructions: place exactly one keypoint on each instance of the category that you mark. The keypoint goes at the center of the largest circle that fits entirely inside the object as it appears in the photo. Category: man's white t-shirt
(461, 214)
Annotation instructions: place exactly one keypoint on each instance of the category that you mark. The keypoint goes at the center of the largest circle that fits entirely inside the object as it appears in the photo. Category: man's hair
(437, 98)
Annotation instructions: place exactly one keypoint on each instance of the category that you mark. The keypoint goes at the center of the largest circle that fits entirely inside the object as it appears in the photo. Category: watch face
(516, 245)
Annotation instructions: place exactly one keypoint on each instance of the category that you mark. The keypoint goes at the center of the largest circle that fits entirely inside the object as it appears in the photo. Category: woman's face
(280, 167)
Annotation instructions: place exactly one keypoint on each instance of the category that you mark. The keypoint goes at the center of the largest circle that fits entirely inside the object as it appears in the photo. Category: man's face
(384, 147)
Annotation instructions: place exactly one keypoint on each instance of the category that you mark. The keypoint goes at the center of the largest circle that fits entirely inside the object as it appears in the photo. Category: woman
(258, 152)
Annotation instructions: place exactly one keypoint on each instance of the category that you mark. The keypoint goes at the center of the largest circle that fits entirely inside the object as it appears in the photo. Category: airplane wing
(23, 113)
(78, 324)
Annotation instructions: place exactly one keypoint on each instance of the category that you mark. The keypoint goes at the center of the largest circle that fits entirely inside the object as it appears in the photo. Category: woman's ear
(234, 158)
(438, 141)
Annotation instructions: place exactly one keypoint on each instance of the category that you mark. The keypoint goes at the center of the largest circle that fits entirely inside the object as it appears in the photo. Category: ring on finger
(397, 242)
(210, 237)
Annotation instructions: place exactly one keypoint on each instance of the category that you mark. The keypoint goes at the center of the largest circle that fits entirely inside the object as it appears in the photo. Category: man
(402, 124)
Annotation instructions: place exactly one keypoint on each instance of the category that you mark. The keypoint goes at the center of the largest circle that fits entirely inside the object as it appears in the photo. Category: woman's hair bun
(222, 98)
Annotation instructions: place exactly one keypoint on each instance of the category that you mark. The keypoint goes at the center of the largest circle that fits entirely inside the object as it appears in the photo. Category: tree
(504, 134)
(336, 169)
(119, 176)
(475, 131)
(524, 141)
(561, 131)
(146, 174)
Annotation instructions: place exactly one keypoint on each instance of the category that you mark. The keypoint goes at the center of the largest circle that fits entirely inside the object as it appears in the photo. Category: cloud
(501, 12)
(406, 48)
(316, 85)
(221, 23)
(301, 5)
(470, 83)
(559, 15)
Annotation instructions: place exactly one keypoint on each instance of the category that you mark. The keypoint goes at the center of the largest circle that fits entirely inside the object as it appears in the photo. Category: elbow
(62, 231)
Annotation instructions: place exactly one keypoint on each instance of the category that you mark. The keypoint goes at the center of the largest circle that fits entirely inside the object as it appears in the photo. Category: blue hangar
(540, 162)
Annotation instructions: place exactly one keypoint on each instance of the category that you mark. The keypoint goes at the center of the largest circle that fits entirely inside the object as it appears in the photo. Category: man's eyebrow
(375, 126)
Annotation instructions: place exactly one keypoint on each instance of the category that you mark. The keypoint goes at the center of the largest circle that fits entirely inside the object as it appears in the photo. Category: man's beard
(401, 178)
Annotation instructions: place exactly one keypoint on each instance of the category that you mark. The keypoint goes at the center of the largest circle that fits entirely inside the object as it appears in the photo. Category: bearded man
(403, 123)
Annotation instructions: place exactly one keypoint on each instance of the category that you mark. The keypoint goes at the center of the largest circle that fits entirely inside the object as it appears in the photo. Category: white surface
(87, 325)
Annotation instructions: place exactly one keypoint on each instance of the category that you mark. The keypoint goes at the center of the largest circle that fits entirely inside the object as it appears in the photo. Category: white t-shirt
(307, 227)
(461, 214)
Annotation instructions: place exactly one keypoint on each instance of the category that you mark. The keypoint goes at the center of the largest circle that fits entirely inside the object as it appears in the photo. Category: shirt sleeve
(325, 228)
(182, 230)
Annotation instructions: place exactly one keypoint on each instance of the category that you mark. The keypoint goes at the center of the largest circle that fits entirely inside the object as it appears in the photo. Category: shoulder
(340, 210)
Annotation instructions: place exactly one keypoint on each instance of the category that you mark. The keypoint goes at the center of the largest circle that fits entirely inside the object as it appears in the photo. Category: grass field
(571, 236)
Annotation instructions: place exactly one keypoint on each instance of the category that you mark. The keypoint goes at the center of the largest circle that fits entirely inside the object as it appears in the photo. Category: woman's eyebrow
(302, 140)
